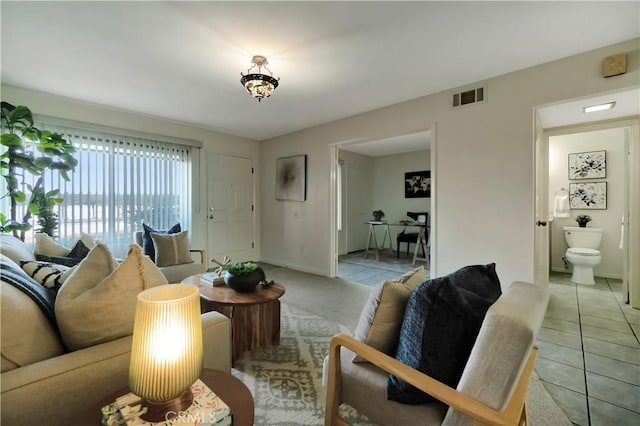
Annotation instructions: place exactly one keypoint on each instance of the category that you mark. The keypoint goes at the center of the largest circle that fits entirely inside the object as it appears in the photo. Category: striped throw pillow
(49, 275)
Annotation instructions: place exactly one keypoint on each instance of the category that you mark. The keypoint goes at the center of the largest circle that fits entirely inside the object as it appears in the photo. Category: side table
(229, 388)
(254, 315)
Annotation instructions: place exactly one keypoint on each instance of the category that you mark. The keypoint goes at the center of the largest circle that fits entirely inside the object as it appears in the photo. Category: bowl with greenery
(243, 276)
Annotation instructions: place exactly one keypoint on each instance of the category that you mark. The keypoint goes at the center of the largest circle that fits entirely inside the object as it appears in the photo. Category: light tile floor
(589, 358)
(357, 268)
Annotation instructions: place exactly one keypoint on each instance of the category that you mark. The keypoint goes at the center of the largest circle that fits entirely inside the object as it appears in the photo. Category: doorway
(230, 208)
(622, 195)
(369, 176)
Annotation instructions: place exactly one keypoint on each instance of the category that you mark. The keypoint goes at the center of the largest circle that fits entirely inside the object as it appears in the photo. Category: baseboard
(561, 270)
(301, 268)
(596, 274)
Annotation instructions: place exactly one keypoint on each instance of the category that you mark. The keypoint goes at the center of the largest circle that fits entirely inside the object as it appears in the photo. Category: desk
(372, 236)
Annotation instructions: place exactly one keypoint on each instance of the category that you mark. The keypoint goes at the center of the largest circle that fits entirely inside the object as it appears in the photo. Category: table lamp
(166, 352)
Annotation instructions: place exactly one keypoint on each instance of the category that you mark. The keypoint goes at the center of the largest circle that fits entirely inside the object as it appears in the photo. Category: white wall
(388, 182)
(219, 143)
(484, 173)
(613, 141)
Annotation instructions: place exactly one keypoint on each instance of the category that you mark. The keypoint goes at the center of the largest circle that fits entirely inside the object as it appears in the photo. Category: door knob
(541, 223)
(211, 216)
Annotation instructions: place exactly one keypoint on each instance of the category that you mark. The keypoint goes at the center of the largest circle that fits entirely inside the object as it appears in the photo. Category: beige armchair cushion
(381, 318)
(97, 302)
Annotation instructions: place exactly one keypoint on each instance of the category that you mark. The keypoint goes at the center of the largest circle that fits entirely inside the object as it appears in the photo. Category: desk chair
(412, 237)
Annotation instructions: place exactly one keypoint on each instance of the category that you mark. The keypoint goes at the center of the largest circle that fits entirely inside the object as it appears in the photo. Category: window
(119, 183)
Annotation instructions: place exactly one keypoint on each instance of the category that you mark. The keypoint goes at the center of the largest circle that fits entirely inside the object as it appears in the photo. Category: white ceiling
(394, 145)
(569, 113)
(182, 60)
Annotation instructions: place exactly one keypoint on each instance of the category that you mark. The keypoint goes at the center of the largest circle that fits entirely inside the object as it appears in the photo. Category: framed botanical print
(588, 165)
(592, 195)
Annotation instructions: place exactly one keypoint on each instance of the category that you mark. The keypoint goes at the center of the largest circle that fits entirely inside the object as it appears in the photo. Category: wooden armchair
(493, 386)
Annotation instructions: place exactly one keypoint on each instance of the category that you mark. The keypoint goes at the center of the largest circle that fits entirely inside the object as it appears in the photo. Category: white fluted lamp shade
(166, 353)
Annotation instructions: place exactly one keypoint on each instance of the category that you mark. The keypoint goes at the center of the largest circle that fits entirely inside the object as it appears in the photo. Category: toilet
(583, 252)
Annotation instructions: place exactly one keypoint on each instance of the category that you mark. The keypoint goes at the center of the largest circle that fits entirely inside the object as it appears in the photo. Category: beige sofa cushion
(381, 318)
(15, 249)
(171, 249)
(27, 335)
(97, 302)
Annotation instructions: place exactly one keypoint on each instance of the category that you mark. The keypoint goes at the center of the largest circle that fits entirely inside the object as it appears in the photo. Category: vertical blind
(119, 183)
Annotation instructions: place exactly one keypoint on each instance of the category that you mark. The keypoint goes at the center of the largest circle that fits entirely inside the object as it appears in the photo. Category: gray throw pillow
(440, 326)
(171, 249)
(147, 243)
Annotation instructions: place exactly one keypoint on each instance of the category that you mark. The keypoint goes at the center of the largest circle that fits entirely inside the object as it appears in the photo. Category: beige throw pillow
(381, 318)
(47, 246)
(97, 302)
(15, 249)
(171, 249)
(87, 240)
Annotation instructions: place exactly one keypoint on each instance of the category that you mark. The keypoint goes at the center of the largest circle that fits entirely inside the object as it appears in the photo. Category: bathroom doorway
(623, 192)
(611, 145)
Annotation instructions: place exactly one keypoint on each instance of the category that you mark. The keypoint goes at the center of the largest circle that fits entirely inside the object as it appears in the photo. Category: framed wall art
(291, 178)
(592, 195)
(588, 165)
(417, 184)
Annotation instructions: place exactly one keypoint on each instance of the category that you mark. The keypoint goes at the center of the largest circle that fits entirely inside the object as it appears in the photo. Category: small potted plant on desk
(245, 276)
(378, 215)
(582, 220)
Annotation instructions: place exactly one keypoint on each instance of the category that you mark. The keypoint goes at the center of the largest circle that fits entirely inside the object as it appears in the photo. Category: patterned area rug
(286, 380)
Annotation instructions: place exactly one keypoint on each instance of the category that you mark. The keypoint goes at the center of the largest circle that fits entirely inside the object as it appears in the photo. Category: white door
(341, 204)
(359, 196)
(230, 209)
(541, 214)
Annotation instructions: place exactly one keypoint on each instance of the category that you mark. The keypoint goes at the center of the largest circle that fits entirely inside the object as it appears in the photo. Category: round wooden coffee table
(229, 388)
(255, 315)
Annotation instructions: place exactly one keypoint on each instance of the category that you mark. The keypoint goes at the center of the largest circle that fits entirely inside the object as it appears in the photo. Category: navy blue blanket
(42, 297)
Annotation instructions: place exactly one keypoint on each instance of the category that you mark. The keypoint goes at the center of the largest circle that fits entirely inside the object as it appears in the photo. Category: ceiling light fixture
(601, 107)
(257, 84)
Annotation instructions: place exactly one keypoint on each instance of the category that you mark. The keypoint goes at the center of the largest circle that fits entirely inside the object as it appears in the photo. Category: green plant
(241, 268)
(18, 137)
(583, 219)
(378, 215)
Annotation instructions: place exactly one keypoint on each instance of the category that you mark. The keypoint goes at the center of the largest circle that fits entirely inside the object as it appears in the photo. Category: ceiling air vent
(468, 97)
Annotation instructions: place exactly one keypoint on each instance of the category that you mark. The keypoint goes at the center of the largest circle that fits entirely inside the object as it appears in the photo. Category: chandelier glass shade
(257, 84)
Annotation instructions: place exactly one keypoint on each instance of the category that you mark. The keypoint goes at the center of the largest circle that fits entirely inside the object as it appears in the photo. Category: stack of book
(212, 278)
(207, 409)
